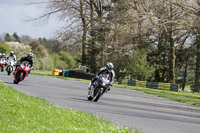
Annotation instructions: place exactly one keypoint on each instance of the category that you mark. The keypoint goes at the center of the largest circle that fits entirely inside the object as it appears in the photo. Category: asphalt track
(149, 114)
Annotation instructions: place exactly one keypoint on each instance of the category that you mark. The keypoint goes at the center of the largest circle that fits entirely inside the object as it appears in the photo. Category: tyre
(98, 92)
(89, 98)
(8, 70)
(15, 82)
(20, 76)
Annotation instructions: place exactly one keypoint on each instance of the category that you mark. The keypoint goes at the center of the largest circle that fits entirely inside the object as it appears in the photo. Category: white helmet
(11, 52)
(3, 54)
(109, 65)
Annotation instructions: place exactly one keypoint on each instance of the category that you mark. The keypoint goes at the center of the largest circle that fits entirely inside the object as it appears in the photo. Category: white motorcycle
(10, 66)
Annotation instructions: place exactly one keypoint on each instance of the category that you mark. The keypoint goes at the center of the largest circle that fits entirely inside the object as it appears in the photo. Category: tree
(68, 59)
(192, 10)
(16, 37)
(8, 38)
(20, 49)
(139, 67)
(4, 48)
(38, 49)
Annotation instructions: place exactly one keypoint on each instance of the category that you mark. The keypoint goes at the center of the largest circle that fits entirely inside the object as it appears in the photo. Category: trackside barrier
(152, 85)
(164, 86)
(57, 72)
(66, 73)
(132, 82)
(141, 83)
(80, 74)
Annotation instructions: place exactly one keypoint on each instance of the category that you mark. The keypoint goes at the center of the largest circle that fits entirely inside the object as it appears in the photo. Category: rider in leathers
(11, 56)
(3, 56)
(28, 58)
(108, 69)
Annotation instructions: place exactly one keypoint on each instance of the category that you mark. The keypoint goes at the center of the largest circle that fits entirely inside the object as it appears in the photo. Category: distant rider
(108, 69)
(11, 57)
(28, 58)
(3, 56)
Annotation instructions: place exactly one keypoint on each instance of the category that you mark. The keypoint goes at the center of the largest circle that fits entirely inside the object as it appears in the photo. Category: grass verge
(189, 98)
(21, 113)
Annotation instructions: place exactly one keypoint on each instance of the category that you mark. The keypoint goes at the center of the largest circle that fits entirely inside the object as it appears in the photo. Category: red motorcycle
(2, 63)
(21, 72)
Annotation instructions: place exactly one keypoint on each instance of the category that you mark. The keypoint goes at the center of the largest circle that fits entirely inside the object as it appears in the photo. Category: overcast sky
(13, 14)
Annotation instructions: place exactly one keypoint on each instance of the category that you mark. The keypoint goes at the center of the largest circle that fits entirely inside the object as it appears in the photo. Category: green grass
(20, 113)
(189, 98)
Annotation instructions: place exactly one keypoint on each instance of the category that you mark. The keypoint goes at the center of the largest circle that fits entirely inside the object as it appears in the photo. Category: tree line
(156, 40)
(48, 53)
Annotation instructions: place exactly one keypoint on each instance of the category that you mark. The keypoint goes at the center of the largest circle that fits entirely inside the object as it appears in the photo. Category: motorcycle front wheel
(98, 93)
(8, 70)
(89, 97)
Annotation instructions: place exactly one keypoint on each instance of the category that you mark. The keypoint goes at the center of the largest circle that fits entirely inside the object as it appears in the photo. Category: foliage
(68, 59)
(8, 38)
(53, 46)
(38, 49)
(20, 49)
(45, 63)
(138, 65)
(16, 37)
(4, 48)
(22, 113)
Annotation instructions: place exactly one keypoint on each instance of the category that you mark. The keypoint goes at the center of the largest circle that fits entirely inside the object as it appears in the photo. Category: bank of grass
(189, 98)
(20, 113)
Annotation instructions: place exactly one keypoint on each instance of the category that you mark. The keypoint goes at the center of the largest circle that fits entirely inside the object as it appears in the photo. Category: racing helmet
(109, 66)
(3, 54)
(11, 53)
(30, 56)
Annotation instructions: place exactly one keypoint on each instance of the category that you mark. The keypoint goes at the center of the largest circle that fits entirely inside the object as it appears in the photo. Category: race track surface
(149, 114)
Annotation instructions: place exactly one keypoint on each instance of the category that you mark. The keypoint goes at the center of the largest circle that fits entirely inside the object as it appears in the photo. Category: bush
(4, 48)
(68, 59)
(20, 49)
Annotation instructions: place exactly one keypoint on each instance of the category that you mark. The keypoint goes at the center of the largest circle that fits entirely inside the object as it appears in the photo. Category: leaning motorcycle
(10, 66)
(98, 88)
(21, 72)
(2, 64)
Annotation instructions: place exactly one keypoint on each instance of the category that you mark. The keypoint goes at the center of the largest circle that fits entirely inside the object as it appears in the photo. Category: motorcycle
(98, 88)
(2, 63)
(21, 72)
(10, 66)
